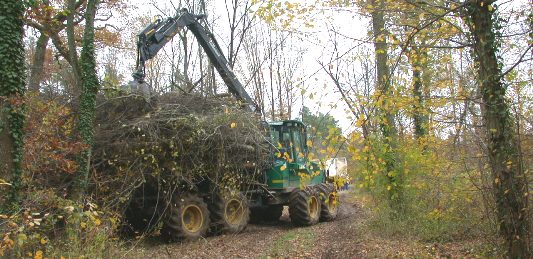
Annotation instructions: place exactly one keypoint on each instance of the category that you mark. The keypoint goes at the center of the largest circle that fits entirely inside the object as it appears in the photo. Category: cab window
(298, 145)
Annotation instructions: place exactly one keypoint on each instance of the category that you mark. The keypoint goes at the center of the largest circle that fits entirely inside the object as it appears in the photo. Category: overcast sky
(316, 43)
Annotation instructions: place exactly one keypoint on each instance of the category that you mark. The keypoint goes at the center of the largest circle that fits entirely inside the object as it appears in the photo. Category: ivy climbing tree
(12, 85)
(89, 89)
(387, 123)
(509, 181)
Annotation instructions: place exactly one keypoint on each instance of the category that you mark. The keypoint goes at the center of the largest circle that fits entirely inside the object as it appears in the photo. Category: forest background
(431, 102)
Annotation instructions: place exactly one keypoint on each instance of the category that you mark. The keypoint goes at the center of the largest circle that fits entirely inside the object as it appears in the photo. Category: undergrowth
(464, 228)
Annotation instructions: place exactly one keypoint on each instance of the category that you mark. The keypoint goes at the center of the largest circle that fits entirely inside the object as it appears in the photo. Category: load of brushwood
(174, 142)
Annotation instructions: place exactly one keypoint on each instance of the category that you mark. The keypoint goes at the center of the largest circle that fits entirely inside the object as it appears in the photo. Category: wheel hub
(313, 207)
(192, 218)
(234, 211)
(332, 201)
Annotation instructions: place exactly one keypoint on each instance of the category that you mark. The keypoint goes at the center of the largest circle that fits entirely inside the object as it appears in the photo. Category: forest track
(335, 239)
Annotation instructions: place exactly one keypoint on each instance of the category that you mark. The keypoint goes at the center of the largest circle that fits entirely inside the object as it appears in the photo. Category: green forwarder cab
(293, 180)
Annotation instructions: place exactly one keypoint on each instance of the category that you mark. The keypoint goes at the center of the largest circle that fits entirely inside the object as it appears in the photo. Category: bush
(440, 199)
(50, 143)
(54, 227)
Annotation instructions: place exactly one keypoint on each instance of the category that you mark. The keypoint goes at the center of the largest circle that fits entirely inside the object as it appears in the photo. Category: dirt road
(337, 239)
(346, 237)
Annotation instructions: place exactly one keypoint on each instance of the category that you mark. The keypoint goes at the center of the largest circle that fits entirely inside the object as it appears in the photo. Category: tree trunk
(37, 66)
(420, 117)
(89, 90)
(186, 82)
(12, 87)
(71, 43)
(271, 77)
(280, 89)
(509, 183)
(233, 29)
(235, 21)
(387, 123)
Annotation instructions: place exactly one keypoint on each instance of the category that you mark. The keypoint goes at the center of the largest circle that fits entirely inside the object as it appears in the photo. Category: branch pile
(175, 141)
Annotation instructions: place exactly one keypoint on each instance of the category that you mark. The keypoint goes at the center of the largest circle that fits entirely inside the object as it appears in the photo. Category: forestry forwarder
(292, 180)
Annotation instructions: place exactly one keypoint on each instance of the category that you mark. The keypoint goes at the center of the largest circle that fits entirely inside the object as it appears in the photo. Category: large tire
(304, 207)
(329, 200)
(187, 217)
(230, 213)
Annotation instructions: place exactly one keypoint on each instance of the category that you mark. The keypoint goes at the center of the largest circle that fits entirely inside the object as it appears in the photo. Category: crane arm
(154, 37)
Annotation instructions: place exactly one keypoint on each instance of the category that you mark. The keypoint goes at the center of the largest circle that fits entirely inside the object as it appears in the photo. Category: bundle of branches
(175, 141)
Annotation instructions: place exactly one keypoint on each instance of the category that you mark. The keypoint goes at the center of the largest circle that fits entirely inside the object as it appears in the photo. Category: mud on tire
(230, 213)
(304, 207)
(187, 217)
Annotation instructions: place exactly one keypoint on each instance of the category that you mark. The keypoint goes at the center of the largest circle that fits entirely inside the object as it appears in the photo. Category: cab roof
(286, 122)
